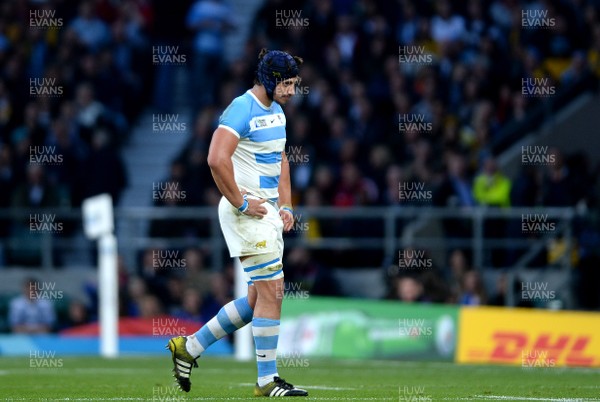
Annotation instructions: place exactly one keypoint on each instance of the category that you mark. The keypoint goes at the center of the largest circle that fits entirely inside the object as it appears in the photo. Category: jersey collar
(262, 105)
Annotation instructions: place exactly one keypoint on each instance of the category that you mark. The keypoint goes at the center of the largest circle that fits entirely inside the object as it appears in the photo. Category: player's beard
(282, 100)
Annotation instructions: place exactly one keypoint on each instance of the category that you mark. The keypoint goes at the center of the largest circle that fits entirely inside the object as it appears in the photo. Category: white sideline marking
(187, 398)
(527, 398)
(321, 387)
(93, 370)
(513, 398)
(325, 388)
(477, 398)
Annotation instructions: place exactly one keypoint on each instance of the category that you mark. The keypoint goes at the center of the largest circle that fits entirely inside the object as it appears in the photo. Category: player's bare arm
(222, 147)
(285, 194)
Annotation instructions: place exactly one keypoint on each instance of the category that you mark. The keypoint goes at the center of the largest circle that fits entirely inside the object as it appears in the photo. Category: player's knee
(263, 267)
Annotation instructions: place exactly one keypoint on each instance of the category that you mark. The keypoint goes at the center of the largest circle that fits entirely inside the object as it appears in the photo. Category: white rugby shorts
(247, 235)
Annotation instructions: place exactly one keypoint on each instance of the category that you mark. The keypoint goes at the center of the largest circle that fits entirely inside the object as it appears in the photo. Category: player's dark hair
(262, 53)
(299, 60)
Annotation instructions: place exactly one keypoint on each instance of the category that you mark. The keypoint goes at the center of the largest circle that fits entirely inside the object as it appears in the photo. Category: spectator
(150, 307)
(90, 110)
(472, 290)
(409, 289)
(491, 187)
(196, 274)
(37, 191)
(77, 315)
(446, 27)
(191, 307)
(455, 191)
(457, 267)
(67, 174)
(301, 268)
(32, 128)
(30, 314)
(499, 297)
(7, 183)
(211, 20)
(136, 291)
(89, 30)
(175, 292)
(104, 168)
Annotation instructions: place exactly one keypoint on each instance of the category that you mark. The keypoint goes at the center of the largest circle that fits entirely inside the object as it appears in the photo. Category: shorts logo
(261, 244)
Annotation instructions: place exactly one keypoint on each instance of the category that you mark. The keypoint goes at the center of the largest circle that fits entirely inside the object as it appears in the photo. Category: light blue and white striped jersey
(261, 130)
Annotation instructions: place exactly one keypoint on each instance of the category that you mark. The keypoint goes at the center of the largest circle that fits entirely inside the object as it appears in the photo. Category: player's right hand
(255, 208)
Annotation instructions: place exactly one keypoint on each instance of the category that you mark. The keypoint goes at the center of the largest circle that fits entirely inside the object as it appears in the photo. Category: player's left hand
(288, 219)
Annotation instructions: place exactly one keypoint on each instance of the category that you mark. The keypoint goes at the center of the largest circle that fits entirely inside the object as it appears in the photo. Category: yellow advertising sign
(529, 338)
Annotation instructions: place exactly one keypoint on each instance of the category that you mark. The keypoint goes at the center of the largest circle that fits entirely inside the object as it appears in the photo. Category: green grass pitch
(221, 379)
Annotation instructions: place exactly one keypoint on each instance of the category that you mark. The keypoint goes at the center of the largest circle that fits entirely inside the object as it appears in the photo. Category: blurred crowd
(71, 86)
(348, 141)
(158, 288)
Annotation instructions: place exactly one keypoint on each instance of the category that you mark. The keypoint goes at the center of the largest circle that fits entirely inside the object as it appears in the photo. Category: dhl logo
(570, 350)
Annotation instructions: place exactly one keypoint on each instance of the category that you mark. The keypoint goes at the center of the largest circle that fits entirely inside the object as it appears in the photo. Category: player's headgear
(274, 67)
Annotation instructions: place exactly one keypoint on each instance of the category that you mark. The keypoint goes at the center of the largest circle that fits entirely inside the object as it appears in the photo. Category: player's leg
(267, 274)
(231, 317)
(234, 315)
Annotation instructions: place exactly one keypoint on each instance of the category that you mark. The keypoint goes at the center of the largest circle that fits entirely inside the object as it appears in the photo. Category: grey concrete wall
(576, 128)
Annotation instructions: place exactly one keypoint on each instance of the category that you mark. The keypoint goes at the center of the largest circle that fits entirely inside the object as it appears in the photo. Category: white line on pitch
(528, 398)
(321, 387)
(205, 399)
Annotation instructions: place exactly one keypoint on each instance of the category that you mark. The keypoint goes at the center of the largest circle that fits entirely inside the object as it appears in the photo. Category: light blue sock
(266, 335)
(232, 316)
